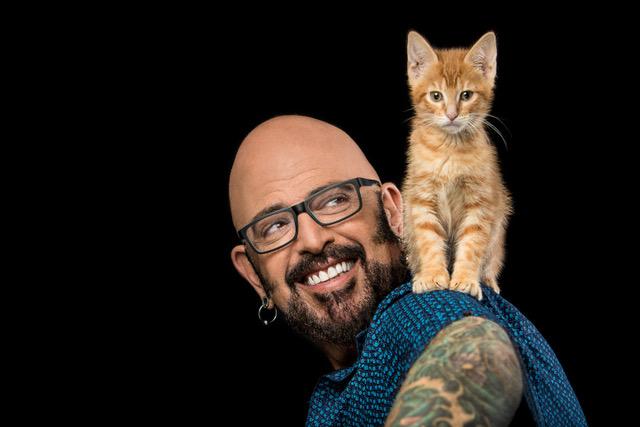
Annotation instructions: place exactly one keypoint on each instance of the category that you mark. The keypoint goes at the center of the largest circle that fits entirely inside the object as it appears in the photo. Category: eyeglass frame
(303, 206)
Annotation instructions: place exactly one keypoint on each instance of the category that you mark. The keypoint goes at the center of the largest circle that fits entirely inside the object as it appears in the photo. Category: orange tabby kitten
(455, 204)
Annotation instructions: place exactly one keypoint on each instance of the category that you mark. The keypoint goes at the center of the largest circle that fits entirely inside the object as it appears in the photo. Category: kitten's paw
(493, 284)
(430, 281)
(466, 285)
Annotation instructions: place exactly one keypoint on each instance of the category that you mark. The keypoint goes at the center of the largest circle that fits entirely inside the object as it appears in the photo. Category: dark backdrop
(242, 67)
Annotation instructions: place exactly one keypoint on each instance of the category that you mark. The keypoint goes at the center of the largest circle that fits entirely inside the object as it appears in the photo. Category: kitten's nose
(451, 115)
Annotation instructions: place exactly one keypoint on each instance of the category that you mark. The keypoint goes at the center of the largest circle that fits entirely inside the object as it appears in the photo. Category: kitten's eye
(435, 96)
(466, 95)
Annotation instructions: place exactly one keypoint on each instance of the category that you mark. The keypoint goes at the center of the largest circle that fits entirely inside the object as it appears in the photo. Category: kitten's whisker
(495, 129)
(408, 119)
(483, 119)
(501, 122)
(426, 120)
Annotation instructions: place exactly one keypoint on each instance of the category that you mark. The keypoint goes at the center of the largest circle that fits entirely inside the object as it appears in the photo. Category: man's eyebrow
(319, 189)
(268, 210)
(278, 206)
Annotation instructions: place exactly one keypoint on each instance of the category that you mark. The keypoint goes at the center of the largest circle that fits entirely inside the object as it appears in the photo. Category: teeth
(330, 273)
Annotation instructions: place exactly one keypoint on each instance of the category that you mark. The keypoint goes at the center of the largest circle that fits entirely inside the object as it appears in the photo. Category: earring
(265, 305)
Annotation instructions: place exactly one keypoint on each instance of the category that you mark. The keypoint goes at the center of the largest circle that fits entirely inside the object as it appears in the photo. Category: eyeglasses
(329, 206)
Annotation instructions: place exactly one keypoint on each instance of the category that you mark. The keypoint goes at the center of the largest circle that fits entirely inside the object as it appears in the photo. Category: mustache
(311, 261)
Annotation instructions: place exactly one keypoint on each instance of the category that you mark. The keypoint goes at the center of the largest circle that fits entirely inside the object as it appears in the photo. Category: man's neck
(340, 356)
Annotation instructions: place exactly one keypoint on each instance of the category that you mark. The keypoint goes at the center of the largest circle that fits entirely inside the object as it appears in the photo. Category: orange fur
(456, 206)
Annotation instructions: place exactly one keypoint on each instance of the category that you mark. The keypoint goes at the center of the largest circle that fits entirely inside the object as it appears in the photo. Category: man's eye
(274, 227)
(336, 201)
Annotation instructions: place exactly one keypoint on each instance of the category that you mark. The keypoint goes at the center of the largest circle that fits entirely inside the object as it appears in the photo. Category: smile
(330, 273)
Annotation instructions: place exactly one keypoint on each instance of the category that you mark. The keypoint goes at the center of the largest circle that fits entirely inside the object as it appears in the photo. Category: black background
(226, 72)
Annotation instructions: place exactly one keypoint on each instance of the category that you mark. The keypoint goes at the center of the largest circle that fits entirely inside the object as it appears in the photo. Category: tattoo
(468, 375)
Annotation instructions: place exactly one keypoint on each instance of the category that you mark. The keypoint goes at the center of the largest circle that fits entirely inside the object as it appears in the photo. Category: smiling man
(330, 279)
(321, 244)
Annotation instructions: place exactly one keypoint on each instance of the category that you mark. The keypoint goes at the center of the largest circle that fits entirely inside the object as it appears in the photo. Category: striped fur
(456, 206)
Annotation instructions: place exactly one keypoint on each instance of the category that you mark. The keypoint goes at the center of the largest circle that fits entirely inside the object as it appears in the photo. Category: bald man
(321, 246)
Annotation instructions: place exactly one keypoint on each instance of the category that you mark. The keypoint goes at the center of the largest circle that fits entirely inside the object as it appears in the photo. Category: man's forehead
(278, 194)
(282, 162)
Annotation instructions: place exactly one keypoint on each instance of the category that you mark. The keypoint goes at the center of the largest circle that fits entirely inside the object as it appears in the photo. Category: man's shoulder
(406, 322)
(405, 309)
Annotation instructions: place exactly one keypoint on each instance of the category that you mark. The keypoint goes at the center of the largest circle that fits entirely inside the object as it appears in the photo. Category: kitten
(455, 203)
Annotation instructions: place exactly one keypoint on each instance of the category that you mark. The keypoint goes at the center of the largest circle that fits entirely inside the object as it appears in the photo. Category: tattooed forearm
(468, 375)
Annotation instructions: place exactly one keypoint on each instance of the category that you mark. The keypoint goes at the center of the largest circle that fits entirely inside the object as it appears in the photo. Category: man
(322, 246)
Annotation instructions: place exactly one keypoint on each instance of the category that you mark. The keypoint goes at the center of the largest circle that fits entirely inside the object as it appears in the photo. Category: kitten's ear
(483, 56)
(420, 56)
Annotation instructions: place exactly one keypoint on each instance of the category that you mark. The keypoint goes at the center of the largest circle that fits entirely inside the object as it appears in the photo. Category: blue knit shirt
(402, 327)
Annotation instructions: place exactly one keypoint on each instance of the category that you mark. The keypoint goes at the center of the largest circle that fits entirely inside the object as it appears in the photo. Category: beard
(346, 312)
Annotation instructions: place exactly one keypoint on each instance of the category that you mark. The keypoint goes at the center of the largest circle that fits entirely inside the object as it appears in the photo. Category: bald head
(284, 158)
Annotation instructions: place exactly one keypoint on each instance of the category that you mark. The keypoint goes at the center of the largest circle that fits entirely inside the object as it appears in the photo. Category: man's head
(284, 162)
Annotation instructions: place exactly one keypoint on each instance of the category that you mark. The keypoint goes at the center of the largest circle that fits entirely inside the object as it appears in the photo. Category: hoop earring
(265, 305)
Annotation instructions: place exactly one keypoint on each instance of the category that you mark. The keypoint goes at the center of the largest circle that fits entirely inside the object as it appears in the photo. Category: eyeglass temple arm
(364, 182)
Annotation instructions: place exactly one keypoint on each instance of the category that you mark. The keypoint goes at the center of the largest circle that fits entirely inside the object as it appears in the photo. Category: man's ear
(392, 202)
(241, 262)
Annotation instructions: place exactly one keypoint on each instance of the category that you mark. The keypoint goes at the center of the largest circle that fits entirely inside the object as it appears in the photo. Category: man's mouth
(329, 273)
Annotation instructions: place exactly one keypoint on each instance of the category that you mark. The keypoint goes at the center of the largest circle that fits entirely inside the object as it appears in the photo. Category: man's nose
(312, 237)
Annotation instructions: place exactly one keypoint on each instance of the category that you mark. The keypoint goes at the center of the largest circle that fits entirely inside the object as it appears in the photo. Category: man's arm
(470, 372)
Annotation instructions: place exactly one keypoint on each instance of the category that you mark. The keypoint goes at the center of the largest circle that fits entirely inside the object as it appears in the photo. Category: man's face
(356, 271)
(329, 280)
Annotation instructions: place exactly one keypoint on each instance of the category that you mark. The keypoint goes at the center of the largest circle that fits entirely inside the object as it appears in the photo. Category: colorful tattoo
(468, 375)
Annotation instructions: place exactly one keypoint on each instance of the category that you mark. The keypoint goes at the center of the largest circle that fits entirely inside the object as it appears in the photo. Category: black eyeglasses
(329, 206)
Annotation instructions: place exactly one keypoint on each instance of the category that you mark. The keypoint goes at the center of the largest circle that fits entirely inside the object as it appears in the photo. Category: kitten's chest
(445, 167)
(434, 159)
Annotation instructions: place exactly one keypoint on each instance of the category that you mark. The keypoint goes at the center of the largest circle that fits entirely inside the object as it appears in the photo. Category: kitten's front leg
(426, 248)
(472, 245)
